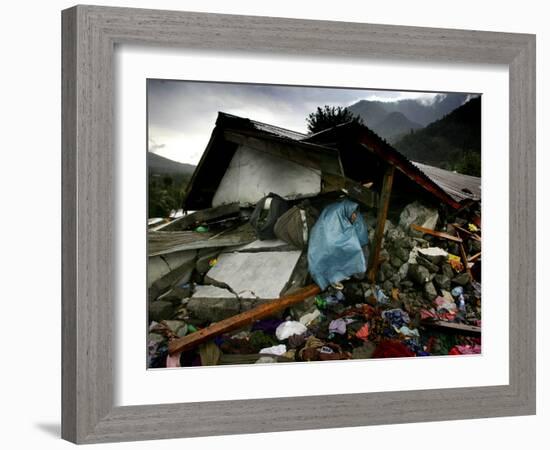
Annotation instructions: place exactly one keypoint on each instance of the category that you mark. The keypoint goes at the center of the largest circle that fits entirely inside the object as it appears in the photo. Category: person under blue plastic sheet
(338, 244)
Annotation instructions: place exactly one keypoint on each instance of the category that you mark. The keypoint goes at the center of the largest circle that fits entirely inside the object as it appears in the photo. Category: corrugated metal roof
(457, 185)
(278, 131)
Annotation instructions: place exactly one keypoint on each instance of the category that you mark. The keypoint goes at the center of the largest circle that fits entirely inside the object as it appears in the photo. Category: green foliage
(165, 193)
(452, 143)
(330, 116)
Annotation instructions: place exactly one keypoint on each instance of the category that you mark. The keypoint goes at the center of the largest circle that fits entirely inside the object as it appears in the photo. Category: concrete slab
(212, 303)
(262, 275)
(274, 244)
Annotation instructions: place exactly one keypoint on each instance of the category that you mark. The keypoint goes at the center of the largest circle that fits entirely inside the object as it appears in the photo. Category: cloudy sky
(182, 114)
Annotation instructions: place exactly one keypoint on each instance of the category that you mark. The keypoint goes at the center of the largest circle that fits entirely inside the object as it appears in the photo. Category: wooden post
(241, 320)
(380, 223)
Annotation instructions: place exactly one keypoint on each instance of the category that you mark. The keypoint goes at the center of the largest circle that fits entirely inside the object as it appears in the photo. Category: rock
(387, 286)
(430, 291)
(418, 214)
(393, 234)
(175, 325)
(396, 262)
(403, 271)
(406, 284)
(461, 279)
(160, 310)
(210, 303)
(419, 274)
(442, 281)
(380, 276)
(387, 268)
(388, 226)
(395, 279)
(427, 264)
(447, 270)
(404, 243)
(401, 253)
(435, 255)
(262, 275)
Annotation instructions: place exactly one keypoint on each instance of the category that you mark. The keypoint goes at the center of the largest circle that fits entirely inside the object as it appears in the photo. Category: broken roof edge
(374, 143)
(229, 123)
(224, 117)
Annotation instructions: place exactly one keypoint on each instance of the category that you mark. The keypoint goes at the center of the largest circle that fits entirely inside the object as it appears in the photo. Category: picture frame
(90, 34)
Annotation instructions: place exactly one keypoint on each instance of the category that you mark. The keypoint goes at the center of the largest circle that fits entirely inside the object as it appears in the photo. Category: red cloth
(391, 349)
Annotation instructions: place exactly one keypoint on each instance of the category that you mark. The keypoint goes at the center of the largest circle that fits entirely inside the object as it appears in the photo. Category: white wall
(252, 175)
(30, 283)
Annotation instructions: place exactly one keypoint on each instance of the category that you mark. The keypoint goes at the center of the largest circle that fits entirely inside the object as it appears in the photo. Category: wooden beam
(474, 257)
(452, 326)
(465, 260)
(384, 203)
(241, 320)
(438, 234)
(466, 232)
(203, 215)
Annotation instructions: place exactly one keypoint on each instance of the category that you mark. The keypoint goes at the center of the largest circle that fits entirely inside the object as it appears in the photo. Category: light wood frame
(89, 36)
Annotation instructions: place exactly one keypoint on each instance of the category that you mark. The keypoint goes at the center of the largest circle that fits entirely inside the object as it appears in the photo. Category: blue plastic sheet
(335, 250)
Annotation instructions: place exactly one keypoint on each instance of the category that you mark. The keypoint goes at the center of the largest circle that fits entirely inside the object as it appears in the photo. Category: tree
(330, 116)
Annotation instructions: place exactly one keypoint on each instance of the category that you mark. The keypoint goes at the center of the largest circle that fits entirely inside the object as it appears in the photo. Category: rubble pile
(425, 298)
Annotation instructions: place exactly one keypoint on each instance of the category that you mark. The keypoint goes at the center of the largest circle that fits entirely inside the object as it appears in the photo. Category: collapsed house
(215, 280)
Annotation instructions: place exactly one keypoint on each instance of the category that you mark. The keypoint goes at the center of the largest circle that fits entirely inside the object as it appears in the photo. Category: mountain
(168, 181)
(160, 165)
(452, 142)
(394, 125)
(413, 113)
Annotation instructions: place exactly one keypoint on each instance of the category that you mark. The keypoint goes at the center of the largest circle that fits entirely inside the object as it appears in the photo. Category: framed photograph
(302, 218)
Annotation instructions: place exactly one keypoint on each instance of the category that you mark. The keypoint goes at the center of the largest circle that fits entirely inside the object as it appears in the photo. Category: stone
(211, 303)
(403, 271)
(418, 214)
(174, 325)
(406, 284)
(442, 281)
(160, 310)
(447, 270)
(430, 290)
(435, 255)
(396, 262)
(387, 286)
(393, 234)
(387, 268)
(461, 279)
(427, 264)
(261, 275)
(419, 274)
(395, 279)
(402, 253)
(404, 243)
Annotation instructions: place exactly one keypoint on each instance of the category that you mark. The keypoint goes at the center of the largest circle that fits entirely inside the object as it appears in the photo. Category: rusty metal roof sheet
(457, 185)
